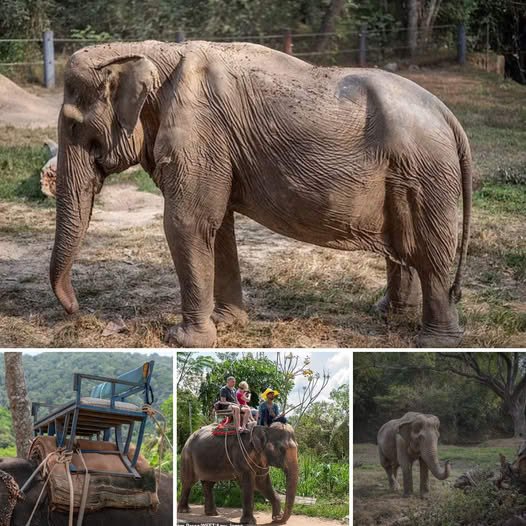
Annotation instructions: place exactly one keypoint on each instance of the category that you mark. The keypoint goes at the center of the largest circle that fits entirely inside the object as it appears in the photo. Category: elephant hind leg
(440, 325)
(403, 293)
(227, 283)
(188, 479)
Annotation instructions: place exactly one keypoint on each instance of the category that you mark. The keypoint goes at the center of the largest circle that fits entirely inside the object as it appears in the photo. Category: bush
(484, 504)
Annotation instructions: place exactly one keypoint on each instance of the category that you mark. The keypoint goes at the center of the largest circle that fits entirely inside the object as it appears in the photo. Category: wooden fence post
(49, 59)
(462, 44)
(179, 36)
(363, 46)
(287, 42)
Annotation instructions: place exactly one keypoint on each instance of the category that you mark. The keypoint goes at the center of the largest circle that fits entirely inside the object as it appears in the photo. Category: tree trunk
(412, 33)
(328, 24)
(516, 409)
(19, 403)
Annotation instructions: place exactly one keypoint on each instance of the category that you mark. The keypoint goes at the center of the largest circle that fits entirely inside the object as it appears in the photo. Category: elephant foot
(211, 513)
(229, 315)
(439, 340)
(182, 508)
(407, 495)
(247, 519)
(183, 335)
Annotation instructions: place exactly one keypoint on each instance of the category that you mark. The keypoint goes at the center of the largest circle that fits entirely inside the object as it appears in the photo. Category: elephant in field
(245, 457)
(15, 471)
(351, 159)
(404, 440)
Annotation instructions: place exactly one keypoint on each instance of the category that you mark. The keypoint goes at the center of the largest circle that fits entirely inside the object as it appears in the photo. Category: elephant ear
(259, 438)
(405, 426)
(127, 83)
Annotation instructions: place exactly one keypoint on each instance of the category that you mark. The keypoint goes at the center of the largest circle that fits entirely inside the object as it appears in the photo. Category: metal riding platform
(96, 416)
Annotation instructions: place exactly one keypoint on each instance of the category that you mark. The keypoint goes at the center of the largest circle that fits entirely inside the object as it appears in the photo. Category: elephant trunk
(430, 457)
(76, 177)
(292, 471)
(9, 495)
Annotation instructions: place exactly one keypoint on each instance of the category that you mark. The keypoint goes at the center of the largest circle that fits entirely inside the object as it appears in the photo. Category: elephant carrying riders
(268, 410)
(228, 400)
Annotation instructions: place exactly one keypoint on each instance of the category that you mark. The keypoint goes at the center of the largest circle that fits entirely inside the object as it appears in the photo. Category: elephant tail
(466, 168)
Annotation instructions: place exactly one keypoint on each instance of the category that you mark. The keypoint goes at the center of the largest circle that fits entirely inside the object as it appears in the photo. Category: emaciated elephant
(18, 471)
(209, 459)
(352, 159)
(405, 440)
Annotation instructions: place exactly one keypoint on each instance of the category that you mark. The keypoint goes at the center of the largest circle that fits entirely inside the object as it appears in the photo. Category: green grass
(7, 451)
(20, 168)
(501, 198)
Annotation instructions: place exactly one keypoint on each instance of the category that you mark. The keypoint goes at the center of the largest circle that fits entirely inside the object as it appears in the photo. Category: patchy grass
(297, 295)
(375, 504)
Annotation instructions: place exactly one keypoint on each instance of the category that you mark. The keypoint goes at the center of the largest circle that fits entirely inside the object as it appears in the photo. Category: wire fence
(30, 59)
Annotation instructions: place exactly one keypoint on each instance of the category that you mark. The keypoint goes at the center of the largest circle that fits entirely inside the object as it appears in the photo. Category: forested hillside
(49, 375)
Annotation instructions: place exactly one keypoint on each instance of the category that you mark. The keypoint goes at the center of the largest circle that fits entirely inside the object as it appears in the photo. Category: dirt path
(231, 516)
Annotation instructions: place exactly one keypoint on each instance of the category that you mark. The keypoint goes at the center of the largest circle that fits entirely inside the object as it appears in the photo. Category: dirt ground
(22, 109)
(232, 516)
(297, 295)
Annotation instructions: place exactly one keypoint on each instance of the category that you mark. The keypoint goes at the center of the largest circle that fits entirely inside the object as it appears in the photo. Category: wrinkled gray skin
(204, 458)
(405, 440)
(352, 159)
(21, 470)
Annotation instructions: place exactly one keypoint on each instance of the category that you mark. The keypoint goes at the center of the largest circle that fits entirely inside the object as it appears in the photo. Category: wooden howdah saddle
(85, 446)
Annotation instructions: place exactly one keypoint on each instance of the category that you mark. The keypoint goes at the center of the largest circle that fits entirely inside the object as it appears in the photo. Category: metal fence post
(462, 44)
(287, 42)
(179, 36)
(363, 45)
(49, 59)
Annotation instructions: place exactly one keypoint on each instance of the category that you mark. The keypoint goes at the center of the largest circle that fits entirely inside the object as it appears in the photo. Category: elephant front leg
(227, 284)
(191, 242)
(424, 478)
(403, 292)
(407, 472)
(247, 482)
(264, 485)
(208, 490)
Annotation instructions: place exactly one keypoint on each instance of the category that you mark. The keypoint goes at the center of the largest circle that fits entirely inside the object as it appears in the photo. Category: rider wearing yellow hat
(268, 410)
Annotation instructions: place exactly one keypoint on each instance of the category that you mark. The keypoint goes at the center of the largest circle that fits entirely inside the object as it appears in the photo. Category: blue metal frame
(91, 419)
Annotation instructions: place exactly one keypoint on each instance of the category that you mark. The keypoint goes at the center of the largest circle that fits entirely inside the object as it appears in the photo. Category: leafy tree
(189, 416)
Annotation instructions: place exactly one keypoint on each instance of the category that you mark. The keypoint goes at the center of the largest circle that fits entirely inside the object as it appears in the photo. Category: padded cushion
(126, 406)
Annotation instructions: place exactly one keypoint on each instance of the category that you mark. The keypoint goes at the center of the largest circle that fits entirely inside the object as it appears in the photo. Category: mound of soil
(22, 109)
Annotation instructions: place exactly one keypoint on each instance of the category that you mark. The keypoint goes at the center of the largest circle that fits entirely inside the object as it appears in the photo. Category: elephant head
(100, 132)
(277, 446)
(420, 433)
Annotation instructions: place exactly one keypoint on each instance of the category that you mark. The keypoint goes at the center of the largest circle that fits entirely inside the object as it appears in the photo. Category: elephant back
(107, 486)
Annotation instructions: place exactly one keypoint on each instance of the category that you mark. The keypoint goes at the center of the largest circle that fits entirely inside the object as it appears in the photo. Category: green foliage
(7, 439)
(387, 385)
(324, 429)
(483, 504)
(152, 443)
(187, 404)
(88, 33)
